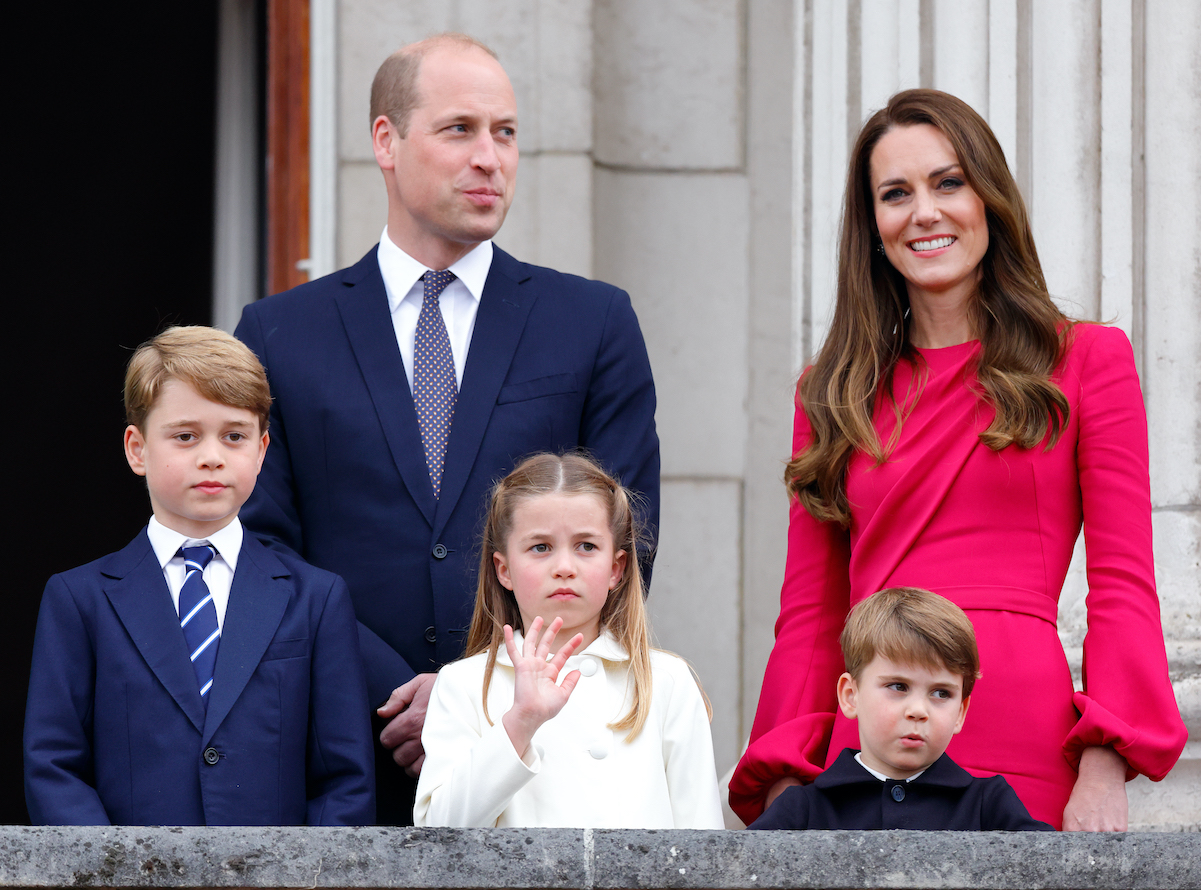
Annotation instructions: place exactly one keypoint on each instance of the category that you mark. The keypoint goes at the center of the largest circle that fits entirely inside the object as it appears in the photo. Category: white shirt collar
(605, 647)
(881, 776)
(400, 271)
(166, 542)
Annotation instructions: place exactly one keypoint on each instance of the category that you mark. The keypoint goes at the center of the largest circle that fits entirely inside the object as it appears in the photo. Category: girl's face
(560, 562)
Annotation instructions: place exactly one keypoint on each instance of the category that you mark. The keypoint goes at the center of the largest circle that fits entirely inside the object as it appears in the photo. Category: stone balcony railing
(586, 859)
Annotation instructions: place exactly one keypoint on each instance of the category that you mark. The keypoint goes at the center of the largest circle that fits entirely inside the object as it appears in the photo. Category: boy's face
(200, 459)
(907, 714)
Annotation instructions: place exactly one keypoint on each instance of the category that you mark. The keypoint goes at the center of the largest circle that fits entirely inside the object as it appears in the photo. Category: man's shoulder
(552, 280)
(323, 289)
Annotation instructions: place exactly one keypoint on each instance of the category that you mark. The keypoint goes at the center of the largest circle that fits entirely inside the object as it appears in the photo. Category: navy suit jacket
(555, 362)
(115, 729)
(945, 797)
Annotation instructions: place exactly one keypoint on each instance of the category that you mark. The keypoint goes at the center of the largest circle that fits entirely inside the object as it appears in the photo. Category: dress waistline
(1001, 599)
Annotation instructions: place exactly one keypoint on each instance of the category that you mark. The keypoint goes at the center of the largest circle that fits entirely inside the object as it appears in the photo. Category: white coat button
(599, 750)
(588, 667)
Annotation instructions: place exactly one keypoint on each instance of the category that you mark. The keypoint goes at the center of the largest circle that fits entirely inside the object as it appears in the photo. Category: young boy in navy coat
(196, 677)
(911, 663)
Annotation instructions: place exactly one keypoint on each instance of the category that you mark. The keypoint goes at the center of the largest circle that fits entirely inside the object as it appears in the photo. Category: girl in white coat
(623, 740)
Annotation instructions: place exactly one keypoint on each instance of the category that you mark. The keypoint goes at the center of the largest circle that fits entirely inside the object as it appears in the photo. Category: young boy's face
(200, 459)
(907, 714)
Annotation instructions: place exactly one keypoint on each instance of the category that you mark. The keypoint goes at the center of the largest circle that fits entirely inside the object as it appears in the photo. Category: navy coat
(115, 729)
(944, 798)
(555, 362)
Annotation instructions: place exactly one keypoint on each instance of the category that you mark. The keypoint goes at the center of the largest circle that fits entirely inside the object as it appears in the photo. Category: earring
(880, 248)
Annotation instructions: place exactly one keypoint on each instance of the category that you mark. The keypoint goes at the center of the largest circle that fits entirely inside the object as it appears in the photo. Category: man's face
(451, 177)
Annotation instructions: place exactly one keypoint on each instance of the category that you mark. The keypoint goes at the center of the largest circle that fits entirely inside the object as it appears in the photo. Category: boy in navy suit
(196, 677)
(911, 663)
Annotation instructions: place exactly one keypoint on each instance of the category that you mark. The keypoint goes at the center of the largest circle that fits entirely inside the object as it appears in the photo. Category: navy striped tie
(198, 616)
(435, 389)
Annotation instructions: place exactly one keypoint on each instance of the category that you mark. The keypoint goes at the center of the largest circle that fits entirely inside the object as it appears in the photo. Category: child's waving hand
(537, 697)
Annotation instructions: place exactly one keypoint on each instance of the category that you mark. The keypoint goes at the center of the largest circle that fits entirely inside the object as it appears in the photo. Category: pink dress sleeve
(797, 704)
(1127, 701)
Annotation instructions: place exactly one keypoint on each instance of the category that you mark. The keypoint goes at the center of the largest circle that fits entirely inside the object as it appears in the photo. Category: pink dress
(993, 532)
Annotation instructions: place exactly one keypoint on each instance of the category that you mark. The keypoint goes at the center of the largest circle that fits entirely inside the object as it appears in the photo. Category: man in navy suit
(196, 677)
(355, 481)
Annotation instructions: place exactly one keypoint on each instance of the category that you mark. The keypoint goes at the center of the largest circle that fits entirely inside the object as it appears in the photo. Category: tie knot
(198, 557)
(436, 282)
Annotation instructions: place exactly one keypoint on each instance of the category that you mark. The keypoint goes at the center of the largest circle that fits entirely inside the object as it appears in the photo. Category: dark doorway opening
(116, 123)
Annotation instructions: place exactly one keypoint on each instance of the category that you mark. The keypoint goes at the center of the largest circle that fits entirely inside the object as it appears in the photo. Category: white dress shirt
(218, 575)
(459, 304)
(577, 773)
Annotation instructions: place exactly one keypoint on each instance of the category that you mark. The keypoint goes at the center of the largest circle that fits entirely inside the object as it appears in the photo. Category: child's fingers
(567, 651)
(569, 682)
(510, 644)
(548, 638)
(530, 643)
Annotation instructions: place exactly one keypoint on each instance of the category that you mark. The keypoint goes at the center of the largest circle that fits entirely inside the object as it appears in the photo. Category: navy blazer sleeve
(59, 780)
(341, 764)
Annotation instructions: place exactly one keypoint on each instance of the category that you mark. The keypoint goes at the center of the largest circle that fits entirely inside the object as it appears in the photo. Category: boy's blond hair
(215, 364)
(909, 625)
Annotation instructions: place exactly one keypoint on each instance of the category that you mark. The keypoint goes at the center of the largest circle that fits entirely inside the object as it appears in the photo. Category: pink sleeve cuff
(796, 748)
(1150, 752)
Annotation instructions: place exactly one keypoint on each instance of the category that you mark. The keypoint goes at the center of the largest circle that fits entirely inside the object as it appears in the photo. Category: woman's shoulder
(1088, 339)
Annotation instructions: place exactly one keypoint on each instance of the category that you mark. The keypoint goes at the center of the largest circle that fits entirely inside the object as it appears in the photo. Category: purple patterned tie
(434, 385)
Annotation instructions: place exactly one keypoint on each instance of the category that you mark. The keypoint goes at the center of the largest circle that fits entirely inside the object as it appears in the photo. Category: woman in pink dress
(954, 433)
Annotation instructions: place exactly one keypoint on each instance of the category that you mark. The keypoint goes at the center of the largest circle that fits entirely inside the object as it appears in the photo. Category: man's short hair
(218, 366)
(909, 625)
(394, 89)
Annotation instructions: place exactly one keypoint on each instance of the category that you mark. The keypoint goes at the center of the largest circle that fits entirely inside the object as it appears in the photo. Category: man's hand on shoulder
(406, 707)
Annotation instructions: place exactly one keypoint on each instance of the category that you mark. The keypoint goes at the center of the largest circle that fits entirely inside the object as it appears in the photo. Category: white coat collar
(605, 647)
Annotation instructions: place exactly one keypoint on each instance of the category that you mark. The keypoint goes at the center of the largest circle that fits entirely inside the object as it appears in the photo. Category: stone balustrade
(586, 859)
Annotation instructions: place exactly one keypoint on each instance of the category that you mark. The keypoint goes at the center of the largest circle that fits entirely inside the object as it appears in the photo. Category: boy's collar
(166, 541)
(845, 770)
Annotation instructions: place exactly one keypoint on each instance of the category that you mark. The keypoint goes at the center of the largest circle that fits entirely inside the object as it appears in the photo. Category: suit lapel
(137, 590)
(257, 601)
(363, 305)
(500, 320)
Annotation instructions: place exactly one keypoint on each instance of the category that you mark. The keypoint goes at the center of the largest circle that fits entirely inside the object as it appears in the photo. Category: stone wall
(693, 152)
(584, 859)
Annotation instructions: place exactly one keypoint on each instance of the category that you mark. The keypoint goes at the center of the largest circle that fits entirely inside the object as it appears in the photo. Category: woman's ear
(848, 695)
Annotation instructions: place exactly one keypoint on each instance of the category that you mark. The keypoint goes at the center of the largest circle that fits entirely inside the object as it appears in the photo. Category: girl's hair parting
(624, 612)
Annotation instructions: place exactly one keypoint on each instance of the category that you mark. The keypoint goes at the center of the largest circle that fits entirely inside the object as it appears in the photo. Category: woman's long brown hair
(1021, 331)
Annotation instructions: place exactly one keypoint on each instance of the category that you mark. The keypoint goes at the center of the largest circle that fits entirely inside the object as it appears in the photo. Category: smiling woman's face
(932, 223)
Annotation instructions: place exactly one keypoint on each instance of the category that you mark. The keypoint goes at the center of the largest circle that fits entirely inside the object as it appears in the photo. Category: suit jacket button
(898, 793)
(211, 756)
(440, 552)
(431, 634)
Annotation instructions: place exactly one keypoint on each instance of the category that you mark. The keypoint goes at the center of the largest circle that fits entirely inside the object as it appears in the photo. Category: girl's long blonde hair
(624, 613)
(1022, 332)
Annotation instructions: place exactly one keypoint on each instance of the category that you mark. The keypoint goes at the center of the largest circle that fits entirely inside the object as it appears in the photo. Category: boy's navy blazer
(946, 797)
(115, 729)
(555, 362)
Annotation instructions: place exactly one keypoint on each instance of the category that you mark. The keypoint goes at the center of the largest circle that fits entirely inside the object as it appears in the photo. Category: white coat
(577, 773)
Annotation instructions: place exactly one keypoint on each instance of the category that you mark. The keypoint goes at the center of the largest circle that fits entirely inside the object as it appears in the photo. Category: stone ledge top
(581, 859)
